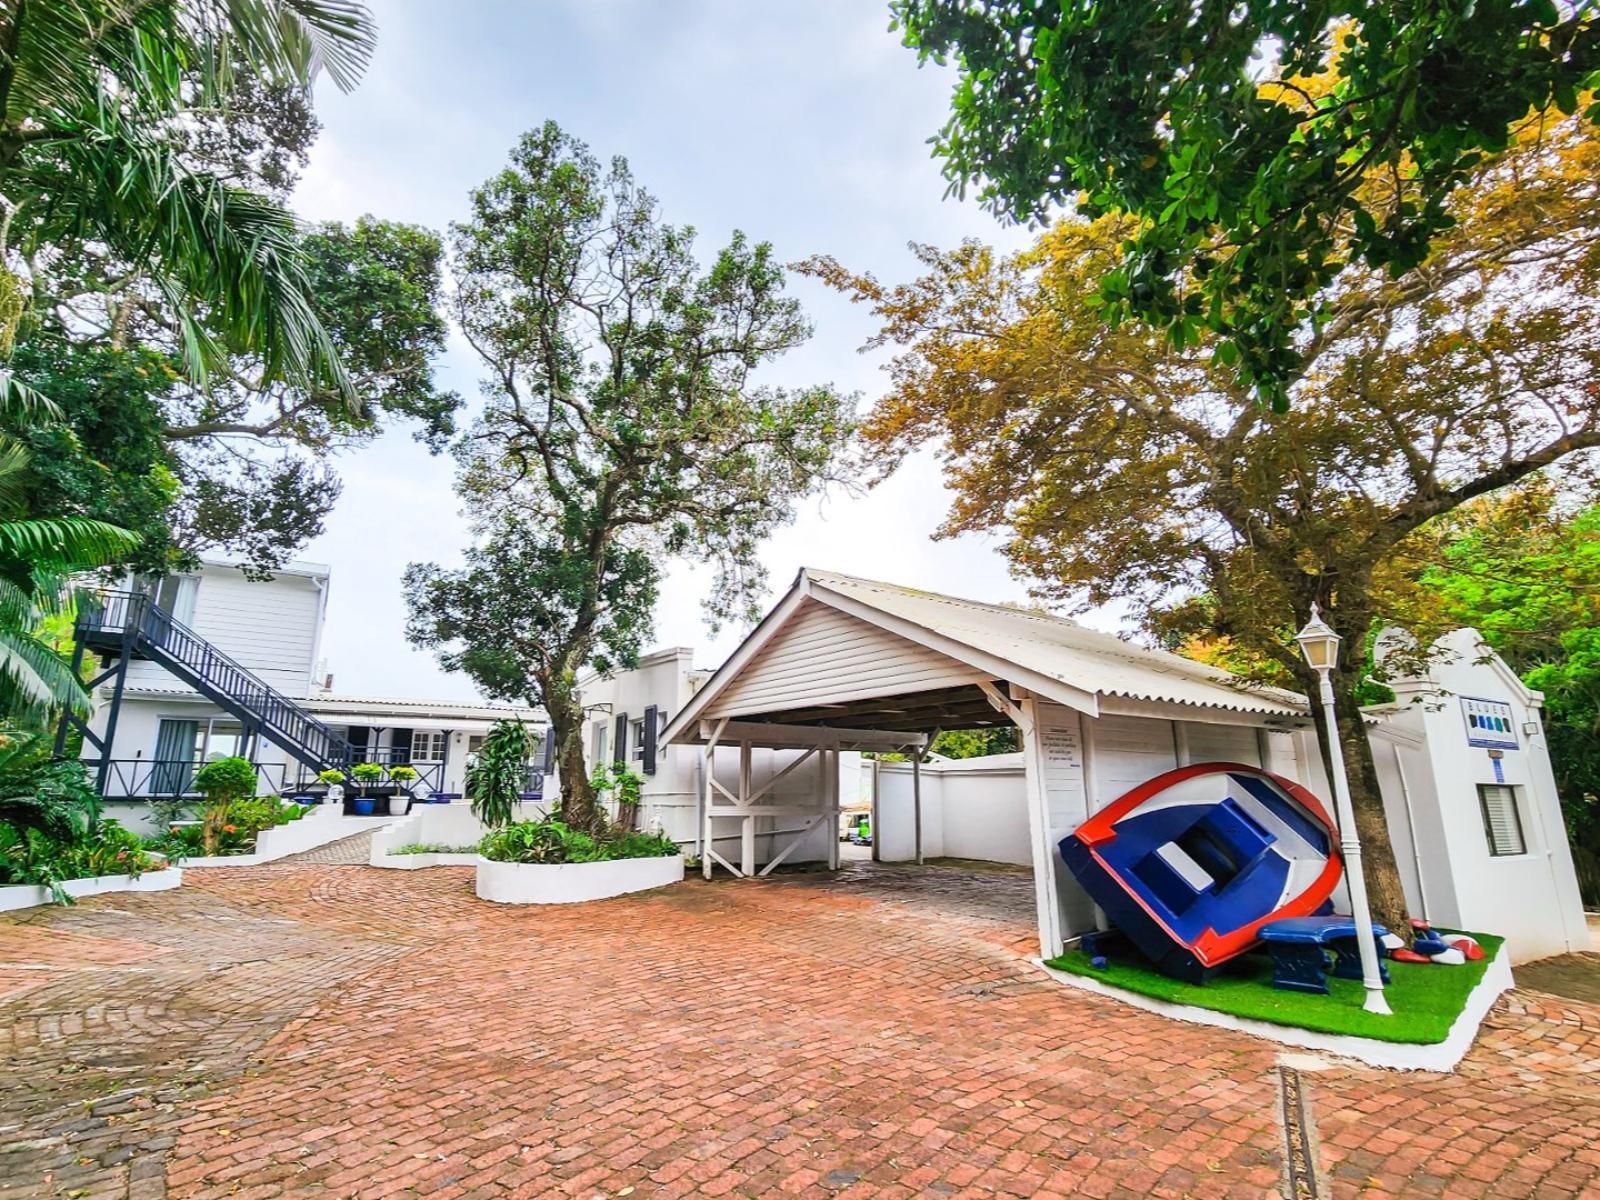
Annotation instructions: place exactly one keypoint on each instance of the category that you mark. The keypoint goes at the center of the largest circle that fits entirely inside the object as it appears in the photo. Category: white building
(218, 665)
(628, 710)
(844, 663)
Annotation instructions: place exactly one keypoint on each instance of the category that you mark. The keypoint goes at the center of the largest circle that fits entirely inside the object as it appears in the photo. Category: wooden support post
(832, 800)
(747, 828)
(706, 828)
(916, 798)
(877, 783)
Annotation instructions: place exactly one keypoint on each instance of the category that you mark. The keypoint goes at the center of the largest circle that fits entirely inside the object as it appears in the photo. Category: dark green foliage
(496, 781)
(1252, 198)
(551, 841)
(41, 793)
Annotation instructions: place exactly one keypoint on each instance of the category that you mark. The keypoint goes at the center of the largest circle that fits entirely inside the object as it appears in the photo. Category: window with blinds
(1502, 823)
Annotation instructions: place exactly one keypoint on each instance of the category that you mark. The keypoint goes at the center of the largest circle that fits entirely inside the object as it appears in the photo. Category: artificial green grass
(1426, 999)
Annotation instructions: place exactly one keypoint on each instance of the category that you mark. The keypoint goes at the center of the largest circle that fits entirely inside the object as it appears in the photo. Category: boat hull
(1191, 864)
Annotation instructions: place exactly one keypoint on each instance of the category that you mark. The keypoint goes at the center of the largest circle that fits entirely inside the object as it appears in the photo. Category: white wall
(271, 627)
(971, 808)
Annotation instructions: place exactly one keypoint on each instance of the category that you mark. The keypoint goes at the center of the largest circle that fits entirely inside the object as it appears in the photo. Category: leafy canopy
(1239, 139)
(623, 426)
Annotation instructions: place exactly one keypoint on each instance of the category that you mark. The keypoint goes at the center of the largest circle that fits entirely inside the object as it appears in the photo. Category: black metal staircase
(127, 626)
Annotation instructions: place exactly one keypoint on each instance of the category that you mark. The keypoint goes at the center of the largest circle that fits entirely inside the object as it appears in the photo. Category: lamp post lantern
(1320, 645)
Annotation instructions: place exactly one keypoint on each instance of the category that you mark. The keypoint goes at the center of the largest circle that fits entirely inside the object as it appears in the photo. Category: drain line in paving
(1299, 1138)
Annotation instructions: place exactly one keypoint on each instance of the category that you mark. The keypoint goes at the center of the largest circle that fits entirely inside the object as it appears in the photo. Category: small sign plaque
(1489, 723)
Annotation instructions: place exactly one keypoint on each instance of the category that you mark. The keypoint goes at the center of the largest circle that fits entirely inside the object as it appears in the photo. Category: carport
(842, 663)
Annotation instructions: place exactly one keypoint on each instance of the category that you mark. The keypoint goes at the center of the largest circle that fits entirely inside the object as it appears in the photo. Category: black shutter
(549, 750)
(649, 748)
(619, 752)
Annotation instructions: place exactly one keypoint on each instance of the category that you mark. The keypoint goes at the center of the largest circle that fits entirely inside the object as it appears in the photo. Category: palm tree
(38, 560)
(90, 91)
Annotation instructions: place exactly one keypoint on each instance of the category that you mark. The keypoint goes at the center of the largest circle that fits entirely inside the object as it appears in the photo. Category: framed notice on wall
(1489, 723)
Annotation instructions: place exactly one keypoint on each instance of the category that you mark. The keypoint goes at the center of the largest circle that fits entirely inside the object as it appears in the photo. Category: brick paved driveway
(322, 1030)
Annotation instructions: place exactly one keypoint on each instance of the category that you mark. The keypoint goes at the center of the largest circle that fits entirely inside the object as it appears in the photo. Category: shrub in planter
(495, 781)
(222, 782)
(28, 856)
(550, 841)
(402, 776)
(365, 775)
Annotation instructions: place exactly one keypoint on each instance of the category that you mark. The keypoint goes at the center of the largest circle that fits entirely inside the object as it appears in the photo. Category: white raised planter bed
(24, 895)
(572, 883)
(317, 828)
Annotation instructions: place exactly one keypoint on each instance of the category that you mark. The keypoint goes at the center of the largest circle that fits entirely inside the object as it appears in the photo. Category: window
(1502, 823)
(427, 745)
(475, 743)
(636, 739)
(599, 743)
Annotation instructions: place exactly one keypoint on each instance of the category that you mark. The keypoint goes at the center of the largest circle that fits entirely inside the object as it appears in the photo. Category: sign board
(1490, 723)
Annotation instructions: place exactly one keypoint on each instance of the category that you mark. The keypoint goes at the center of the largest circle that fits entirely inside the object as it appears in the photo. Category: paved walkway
(346, 852)
(313, 1030)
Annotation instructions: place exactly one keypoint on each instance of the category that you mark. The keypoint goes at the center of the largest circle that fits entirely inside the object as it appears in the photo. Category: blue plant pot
(363, 807)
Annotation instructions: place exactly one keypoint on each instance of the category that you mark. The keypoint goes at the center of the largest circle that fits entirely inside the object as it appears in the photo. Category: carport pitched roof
(1055, 656)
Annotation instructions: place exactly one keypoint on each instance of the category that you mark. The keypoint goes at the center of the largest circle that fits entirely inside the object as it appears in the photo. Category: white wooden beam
(799, 836)
(773, 782)
(794, 737)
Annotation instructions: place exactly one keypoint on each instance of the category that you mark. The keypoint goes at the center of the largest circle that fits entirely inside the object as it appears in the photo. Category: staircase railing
(135, 615)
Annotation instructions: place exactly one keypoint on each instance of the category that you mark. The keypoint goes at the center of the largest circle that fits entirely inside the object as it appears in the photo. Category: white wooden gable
(824, 656)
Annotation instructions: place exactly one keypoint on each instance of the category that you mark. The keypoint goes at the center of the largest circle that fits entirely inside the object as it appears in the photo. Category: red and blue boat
(1191, 864)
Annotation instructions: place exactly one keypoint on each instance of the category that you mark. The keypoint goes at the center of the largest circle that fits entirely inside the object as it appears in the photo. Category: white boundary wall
(437, 825)
(971, 808)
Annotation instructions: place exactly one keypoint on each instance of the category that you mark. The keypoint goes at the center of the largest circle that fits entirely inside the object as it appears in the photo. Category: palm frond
(65, 543)
(231, 254)
(35, 680)
(17, 607)
(296, 38)
(14, 459)
(21, 405)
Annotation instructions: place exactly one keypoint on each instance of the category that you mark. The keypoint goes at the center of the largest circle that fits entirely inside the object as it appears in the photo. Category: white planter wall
(318, 827)
(573, 883)
(26, 896)
(437, 825)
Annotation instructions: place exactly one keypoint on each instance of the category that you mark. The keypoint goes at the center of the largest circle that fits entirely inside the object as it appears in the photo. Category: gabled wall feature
(824, 656)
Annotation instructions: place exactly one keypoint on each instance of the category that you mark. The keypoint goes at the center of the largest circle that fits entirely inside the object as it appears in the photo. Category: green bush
(235, 832)
(42, 793)
(433, 848)
(223, 782)
(29, 856)
(551, 841)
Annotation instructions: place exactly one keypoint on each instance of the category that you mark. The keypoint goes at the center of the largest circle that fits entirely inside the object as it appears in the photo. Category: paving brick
(325, 1029)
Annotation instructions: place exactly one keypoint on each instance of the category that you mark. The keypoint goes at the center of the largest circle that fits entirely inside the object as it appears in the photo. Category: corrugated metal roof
(1062, 649)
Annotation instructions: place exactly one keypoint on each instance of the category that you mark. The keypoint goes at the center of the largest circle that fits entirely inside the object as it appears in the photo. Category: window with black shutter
(647, 755)
(619, 750)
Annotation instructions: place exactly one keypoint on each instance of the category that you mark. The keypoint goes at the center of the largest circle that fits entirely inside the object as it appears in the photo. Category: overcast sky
(803, 123)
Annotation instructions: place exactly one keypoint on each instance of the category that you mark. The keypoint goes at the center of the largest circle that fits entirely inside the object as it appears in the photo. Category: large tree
(1248, 200)
(1122, 467)
(623, 427)
(232, 451)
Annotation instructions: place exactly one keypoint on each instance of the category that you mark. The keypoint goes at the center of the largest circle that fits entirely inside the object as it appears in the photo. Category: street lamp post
(1320, 645)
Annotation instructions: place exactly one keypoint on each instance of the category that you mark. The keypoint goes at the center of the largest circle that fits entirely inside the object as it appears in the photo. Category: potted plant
(222, 782)
(403, 776)
(365, 775)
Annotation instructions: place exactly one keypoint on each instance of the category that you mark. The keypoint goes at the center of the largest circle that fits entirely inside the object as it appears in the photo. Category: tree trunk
(579, 808)
(1385, 895)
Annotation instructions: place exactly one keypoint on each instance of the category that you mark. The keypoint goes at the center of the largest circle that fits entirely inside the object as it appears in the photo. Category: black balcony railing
(173, 779)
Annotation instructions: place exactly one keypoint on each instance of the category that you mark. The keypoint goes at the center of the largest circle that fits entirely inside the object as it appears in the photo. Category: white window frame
(1513, 795)
(436, 740)
(636, 739)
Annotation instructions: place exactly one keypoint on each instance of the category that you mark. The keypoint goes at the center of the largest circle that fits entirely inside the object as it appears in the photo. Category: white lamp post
(1320, 645)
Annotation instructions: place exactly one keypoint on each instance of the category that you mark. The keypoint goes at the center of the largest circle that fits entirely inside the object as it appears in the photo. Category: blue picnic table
(1299, 948)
